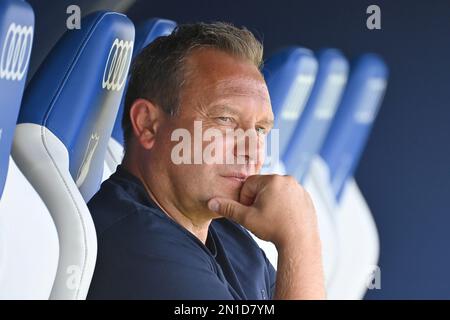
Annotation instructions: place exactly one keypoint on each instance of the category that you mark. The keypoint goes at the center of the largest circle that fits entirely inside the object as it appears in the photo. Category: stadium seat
(313, 124)
(145, 34)
(28, 238)
(353, 121)
(16, 38)
(307, 138)
(64, 125)
(289, 75)
(358, 244)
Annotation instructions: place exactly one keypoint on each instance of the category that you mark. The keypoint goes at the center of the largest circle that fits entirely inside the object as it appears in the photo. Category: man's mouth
(236, 176)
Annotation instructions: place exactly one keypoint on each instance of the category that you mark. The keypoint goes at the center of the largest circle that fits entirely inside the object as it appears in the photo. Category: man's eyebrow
(222, 108)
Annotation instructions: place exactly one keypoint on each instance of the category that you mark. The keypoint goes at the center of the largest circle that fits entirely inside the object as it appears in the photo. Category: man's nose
(247, 146)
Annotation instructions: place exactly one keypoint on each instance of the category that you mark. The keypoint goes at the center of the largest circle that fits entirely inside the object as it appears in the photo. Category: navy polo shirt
(144, 254)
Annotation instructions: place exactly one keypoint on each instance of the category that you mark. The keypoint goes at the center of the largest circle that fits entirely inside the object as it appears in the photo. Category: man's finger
(251, 187)
(230, 209)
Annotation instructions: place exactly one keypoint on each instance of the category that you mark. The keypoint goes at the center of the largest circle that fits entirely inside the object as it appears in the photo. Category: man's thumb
(228, 208)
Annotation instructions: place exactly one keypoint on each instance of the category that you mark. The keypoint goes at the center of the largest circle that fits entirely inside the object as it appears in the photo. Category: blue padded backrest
(16, 38)
(77, 90)
(318, 113)
(150, 30)
(353, 121)
(145, 34)
(289, 75)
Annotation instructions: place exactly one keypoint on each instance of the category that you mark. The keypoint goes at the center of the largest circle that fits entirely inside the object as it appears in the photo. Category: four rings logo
(116, 68)
(16, 52)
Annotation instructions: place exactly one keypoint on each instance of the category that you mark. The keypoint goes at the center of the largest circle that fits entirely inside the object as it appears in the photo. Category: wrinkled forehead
(216, 78)
(220, 73)
(244, 96)
(239, 86)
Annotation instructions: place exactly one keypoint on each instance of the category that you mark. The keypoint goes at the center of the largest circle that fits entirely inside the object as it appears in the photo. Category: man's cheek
(229, 144)
(261, 154)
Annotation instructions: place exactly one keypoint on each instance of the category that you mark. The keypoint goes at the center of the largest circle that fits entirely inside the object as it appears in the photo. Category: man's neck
(196, 225)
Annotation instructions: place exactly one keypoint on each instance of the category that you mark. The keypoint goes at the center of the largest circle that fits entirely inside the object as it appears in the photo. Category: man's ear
(145, 119)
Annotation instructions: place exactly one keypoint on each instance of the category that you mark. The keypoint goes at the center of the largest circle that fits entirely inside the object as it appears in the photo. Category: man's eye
(261, 130)
(225, 119)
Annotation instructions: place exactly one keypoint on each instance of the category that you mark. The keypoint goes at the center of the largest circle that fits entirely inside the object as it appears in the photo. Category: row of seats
(61, 131)
(325, 113)
(63, 138)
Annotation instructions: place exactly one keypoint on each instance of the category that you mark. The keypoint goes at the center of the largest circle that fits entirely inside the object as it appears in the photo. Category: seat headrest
(145, 34)
(313, 125)
(150, 30)
(289, 75)
(354, 118)
(16, 38)
(76, 92)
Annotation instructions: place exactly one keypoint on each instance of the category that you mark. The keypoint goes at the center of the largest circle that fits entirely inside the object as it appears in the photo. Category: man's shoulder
(114, 203)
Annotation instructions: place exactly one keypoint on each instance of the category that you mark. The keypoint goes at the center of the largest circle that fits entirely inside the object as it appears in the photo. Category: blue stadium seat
(145, 34)
(353, 121)
(16, 38)
(28, 238)
(312, 126)
(289, 75)
(63, 129)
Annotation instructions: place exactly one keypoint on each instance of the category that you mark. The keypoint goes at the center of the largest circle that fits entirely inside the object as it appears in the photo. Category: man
(171, 230)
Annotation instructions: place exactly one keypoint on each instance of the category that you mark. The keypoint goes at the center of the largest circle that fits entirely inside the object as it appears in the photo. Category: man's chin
(229, 193)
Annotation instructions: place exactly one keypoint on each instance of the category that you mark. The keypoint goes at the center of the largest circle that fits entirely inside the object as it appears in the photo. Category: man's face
(224, 93)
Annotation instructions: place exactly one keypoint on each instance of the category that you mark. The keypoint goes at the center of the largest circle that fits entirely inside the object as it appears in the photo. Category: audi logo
(116, 68)
(16, 52)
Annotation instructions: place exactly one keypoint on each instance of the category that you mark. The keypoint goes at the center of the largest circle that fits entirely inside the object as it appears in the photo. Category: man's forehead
(239, 86)
(226, 89)
(223, 73)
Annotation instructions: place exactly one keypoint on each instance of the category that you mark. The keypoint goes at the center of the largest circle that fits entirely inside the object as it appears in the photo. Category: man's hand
(277, 209)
